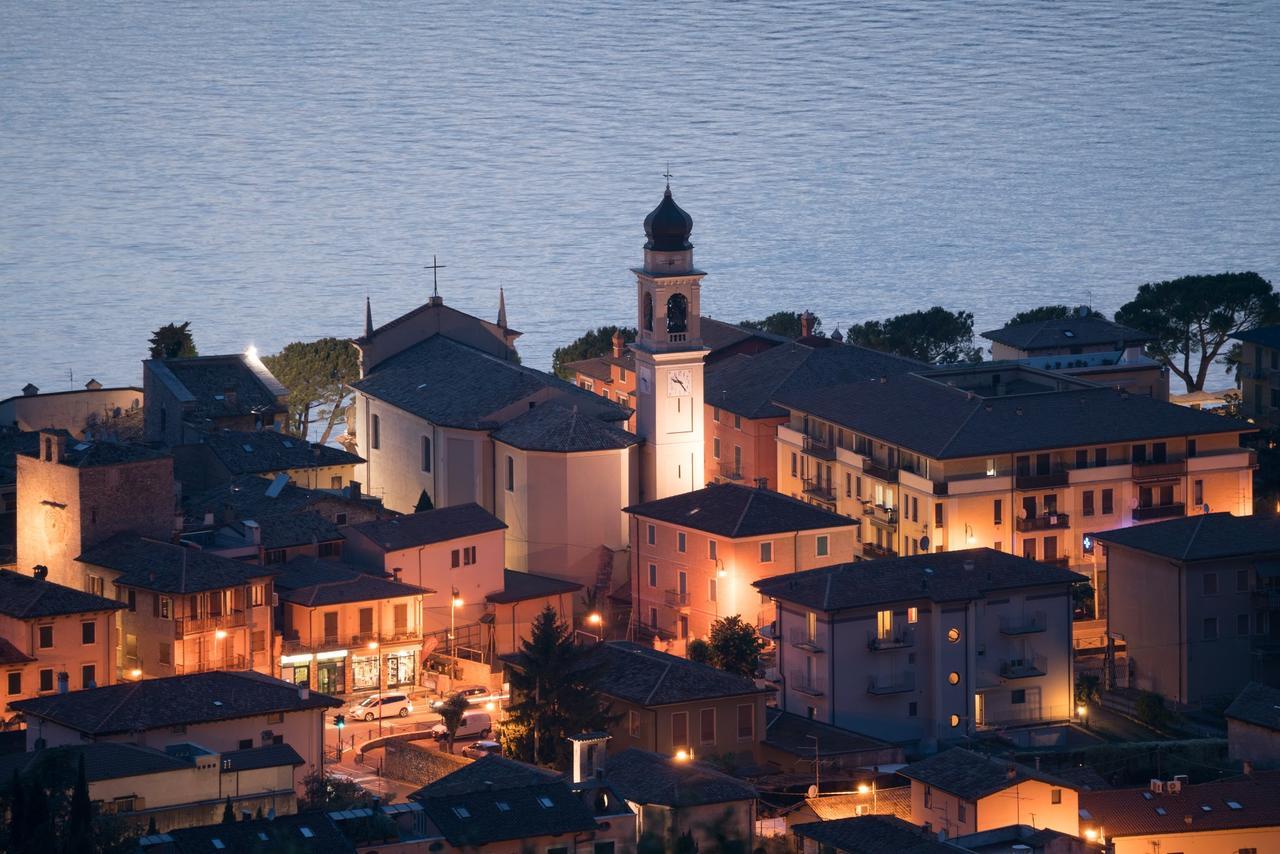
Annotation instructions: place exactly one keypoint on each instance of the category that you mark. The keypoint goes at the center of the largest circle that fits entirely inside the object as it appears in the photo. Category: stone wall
(419, 764)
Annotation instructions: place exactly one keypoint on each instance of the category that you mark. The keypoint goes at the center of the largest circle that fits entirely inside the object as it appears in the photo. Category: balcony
(228, 662)
(819, 449)
(899, 684)
(874, 552)
(800, 639)
(1041, 481)
(676, 598)
(878, 513)
(820, 491)
(900, 638)
(1047, 522)
(1268, 596)
(814, 686)
(879, 472)
(1159, 471)
(184, 626)
(1027, 624)
(730, 472)
(1162, 511)
(1024, 668)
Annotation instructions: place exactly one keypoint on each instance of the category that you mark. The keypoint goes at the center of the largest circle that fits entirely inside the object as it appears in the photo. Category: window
(746, 721)
(257, 641)
(707, 726)
(960, 812)
(681, 541)
(884, 624)
(684, 627)
(811, 626)
(46, 679)
(928, 797)
(997, 511)
(991, 467)
(1210, 581)
(511, 473)
(680, 730)
(258, 595)
(1242, 625)
(468, 555)
(955, 721)
(455, 559)
(166, 653)
(93, 584)
(653, 575)
(715, 447)
(604, 847)
(1088, 508)
(711, 589)
(1018, 697)
(824, 545)
(715, 414)
(651, 535)
(275, 718)
(461, 812)
(682, 584)
(88, 632)
(1055, 796)
(937, 515)
(793, 464)
(88, 676)
(913, 709)
(46, 637)
(131, 597)
(953, 635)
(913, 614)
(848, 485)
(1197, 492)
(1029, 549)
(766, 552)
(1210, 628)
(15, 683)
(272, 556)
(1082, 459)
(1108, 502)
(375, 432)
(633, 724)
(857, 486)
(915, 509)
(426, 454)
(653, 618)
(366, 621)
(737, 422)
(1242, 580)
(711, 550)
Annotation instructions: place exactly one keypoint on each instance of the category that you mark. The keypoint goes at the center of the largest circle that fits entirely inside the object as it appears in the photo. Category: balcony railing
(898, 684)
(818, 448)
(184, 626)
(879, 472)
(900, 638)
(1152, 471)
(676, 598)
(1269, 596)
(227, 662)
(294, 645)
(1027, 624)
(800, 639)
(873, 551)
(1047, 522)
(820, 491)
(731, 472)
(814, 687)
(1024, 668)
(1162, 511)
(1041, 481)
(877, 513)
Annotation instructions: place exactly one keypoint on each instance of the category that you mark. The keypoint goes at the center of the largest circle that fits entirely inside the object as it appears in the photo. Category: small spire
(502, 309)
(368, 317)
(667, 174)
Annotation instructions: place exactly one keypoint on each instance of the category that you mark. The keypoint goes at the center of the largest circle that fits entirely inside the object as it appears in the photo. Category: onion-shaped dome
(668, 226)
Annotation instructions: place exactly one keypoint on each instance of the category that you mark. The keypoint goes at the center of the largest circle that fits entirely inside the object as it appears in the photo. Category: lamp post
(454, 604)
(817, 773)
(1082, 712)
(596, 622)
(373, 645)
(863, 788)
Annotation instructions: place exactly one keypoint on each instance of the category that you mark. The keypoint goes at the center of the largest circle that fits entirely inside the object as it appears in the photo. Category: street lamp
(817, 778)
(682, 756)
(373, 646)
(1082, 712)
(863, 788)
(454, 604)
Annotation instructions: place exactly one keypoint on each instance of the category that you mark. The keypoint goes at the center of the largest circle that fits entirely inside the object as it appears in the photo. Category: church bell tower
(669, 355)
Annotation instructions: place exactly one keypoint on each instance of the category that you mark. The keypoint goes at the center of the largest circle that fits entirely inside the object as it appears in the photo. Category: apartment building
(345, 630)
(1017, 459)
(53, 637)
(1260, 374)
(695, 555)
(186, 610)
(1196, 602)
(929, 648)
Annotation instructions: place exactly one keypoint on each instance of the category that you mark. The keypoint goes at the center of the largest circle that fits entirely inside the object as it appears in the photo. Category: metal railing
(887, 515)
(819, 490)
(226, 662)
(1027, 624)
(899, 638)
(799, 682)
(676, 598)
(1164, 468)
(818, 448)
(800, 638)
(878, 471)
(898, 684)
(874, 551)
(183, 626)
(1160, 511)
(1046, 522)
(731, 472)
(1024, 668)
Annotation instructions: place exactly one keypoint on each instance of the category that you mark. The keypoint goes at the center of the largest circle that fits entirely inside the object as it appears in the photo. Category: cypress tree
(228, 812)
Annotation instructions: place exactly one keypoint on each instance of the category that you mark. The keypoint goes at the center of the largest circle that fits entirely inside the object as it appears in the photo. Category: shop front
(297, 668)
(402, 668)
(330, 669)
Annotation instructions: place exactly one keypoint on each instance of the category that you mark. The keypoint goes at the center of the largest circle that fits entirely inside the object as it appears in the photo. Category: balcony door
(330, 627)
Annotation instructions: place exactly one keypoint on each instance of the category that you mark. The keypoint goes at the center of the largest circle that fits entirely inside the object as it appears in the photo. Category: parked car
(473, 724)
(381, 706)
(473, 693)
(481, 749)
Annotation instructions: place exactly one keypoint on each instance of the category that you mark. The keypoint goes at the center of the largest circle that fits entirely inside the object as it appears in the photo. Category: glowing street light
(220, 634)
(594, 619)
(136, 673)
(373, 644)
(682, 756)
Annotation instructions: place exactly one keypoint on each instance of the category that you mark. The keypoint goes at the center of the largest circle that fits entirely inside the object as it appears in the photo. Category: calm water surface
(257, 168)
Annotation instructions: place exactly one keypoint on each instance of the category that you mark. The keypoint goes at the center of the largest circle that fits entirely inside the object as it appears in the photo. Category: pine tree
(151, 827)
(228, 812)
(17, 811)
(80, 821)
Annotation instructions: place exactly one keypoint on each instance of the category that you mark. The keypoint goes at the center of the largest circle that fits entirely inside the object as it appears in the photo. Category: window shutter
(155, 604)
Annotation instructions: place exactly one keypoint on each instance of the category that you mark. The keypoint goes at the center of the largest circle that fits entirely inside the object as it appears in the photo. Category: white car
(473, 724)
(380, 706)
(481, 749)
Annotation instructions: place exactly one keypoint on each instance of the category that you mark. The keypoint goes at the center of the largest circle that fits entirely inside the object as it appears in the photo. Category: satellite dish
(924, 543)
(813, 791)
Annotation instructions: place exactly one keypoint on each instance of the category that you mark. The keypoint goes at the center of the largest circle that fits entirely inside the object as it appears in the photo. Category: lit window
(913, 614)
(811, 626)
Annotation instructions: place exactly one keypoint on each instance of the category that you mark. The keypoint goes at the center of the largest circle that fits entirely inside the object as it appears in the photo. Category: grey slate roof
(792, 733)
(939, 577)
(1067, 332)
(453, 385)
(312, 582)
(10, 654)
(520, 586)
(296, 529)
(749, 385)
(26, 597)
(1257, 704)
(171, 701)
(718, 335)
(971, 776)
(642, 675)
(204, 380)
(643, 777)
(1204, 537)
(266, 756)
(873, 834)
(83, 453)
(556, 427)
(733, 510)
(300, 833)
(943, 422)
(168, 568)
(1267, 336)
(430, 526)
(258, 451)
(246, 497)
(103, 760)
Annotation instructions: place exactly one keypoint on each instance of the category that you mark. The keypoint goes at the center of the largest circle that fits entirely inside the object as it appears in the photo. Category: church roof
(453, 385)
(668, 226)
(556, 427)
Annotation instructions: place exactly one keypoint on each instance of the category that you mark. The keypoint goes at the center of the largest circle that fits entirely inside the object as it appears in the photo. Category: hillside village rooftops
(251, 496)
(921, 412)
(27, 597)
(170, 701)
(111, 760)
(220, 386)
(1239, 802)
(971, 776)
(1257, 704)
(257, 451)
(940, 577)
(733, 510)
(84, 453)
(1205, 537)
(167, 568)
(430, 526)
(642, 675)
(296, 529)
(312, 582)
(795, 734)
(1072, 331)
(644, 777)
(564, 429)
(874, 834)
(452, 384)
(297, 834)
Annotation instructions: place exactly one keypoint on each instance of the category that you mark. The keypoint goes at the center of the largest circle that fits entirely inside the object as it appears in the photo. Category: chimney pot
(304, 692)
(618, 344)
(30, 390)
(762, 483)
(354, 489)
(41, 571)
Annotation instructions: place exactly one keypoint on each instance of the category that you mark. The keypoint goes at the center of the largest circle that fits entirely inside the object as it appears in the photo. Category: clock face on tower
(679, 383)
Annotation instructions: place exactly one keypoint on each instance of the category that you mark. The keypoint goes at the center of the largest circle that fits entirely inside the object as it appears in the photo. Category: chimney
(252, 532)
(395, 573)
(806, 323)
(304, 691)
(762, 483)
(41, 571)
(229, 395)
(93, 385)
(30, 390)
(353, 489)
(588, 755)
(618, 344)
(64, 682)
(1011, 773)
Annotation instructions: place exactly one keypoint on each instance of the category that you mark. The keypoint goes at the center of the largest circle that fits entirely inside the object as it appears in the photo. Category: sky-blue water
(257, 168)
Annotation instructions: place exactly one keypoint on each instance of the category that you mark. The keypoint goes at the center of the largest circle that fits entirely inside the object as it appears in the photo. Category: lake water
(257, 168)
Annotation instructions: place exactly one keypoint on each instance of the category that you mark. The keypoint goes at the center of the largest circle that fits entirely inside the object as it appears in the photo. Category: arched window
(648, 312)
(677, 313)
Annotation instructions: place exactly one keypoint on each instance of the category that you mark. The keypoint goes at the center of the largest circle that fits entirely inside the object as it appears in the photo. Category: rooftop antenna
(435, 284)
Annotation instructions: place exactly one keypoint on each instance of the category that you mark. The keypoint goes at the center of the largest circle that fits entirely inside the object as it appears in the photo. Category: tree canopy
(318, 375)
(735, 646)
(554, 694)
(785, 323)
(935, 336)
(1049, 312)
(173, 340)
(451, 713)
(1194, 317)
(595, 342)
